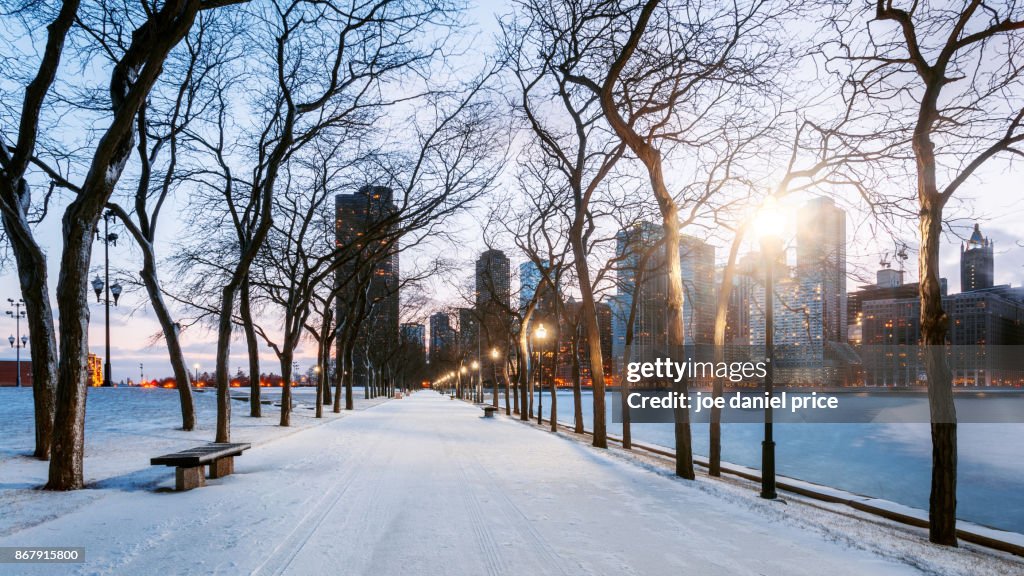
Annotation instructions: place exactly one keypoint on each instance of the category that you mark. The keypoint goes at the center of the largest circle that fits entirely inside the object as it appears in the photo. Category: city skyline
(126, 361)
(135, 337)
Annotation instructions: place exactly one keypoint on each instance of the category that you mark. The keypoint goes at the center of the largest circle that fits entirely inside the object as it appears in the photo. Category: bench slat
(200, 455)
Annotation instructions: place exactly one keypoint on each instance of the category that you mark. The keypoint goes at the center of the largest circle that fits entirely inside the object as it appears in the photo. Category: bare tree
(366, 46)
(161, 121)
(944, 84)
(17, 153)
(678, 72)
(549, 51)
(137, 52)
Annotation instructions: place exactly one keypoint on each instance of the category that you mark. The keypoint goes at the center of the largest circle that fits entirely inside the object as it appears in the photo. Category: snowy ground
(424, 485)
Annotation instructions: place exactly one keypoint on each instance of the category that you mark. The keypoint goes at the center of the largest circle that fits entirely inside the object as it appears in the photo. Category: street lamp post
(494, 374)
(99, 284)
(319, 392)
(539, 336)
(17, 342)
(769, 224)
(462, 385)
(478, 389)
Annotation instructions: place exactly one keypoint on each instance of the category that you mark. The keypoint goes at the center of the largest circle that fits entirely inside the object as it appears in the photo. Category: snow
(422, 485)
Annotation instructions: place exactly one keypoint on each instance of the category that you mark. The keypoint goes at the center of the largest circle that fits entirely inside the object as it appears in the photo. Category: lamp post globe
(97, 287)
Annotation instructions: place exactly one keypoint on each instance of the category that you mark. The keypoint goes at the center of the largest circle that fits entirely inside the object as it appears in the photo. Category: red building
(9, 372)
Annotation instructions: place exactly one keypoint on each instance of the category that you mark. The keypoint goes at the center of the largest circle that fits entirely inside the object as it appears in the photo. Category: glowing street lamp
(538, 336)
(769, 227)
(319, 412)
(494, 372)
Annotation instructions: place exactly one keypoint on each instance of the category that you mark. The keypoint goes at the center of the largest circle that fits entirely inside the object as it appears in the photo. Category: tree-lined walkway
(424, 485)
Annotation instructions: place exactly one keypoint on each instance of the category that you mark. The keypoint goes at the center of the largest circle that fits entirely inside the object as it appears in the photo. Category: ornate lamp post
(538, 338)
(17, 342)
(769, 225)
(98, 285)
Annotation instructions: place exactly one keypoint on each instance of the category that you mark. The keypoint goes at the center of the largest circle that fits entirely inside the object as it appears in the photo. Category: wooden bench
(489, 411)
(189, 463)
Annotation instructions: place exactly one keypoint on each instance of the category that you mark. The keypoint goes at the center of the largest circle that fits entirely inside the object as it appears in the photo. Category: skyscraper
(810, 302)
(367, 214)
(468, 334)
(977, 266)
(821, 258)
(493, 280)
(414, 337)
(412, 361)
(697, 267)
(442, 342)
(531, 280)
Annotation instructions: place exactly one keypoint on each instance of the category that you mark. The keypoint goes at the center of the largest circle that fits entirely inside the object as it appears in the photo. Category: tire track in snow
(485, 541)
(285, 552)
(477, 475)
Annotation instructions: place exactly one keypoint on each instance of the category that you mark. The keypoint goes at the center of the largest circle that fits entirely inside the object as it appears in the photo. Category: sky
(993, 199)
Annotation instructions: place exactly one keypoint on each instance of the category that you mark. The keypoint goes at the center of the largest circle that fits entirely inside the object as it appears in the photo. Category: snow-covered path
(424, 485)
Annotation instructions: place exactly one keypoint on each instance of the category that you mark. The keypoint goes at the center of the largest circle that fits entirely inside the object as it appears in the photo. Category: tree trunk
(674, 310)
(286, 387)
(651, 159)
(223, 351)
(508, 382)
(349, 369)
(340, 368)
(553, 415)
(170, 330)
(327, 398)
(68, 448)
(934, 326)
(721, 318)
(516, 392)
(523, 363)
(577, 382)
(252, 346)
(588, 315)
(32, 277)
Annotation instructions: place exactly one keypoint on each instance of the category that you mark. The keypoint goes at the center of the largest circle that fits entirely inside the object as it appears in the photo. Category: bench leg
(188, 478)
(222, 467)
